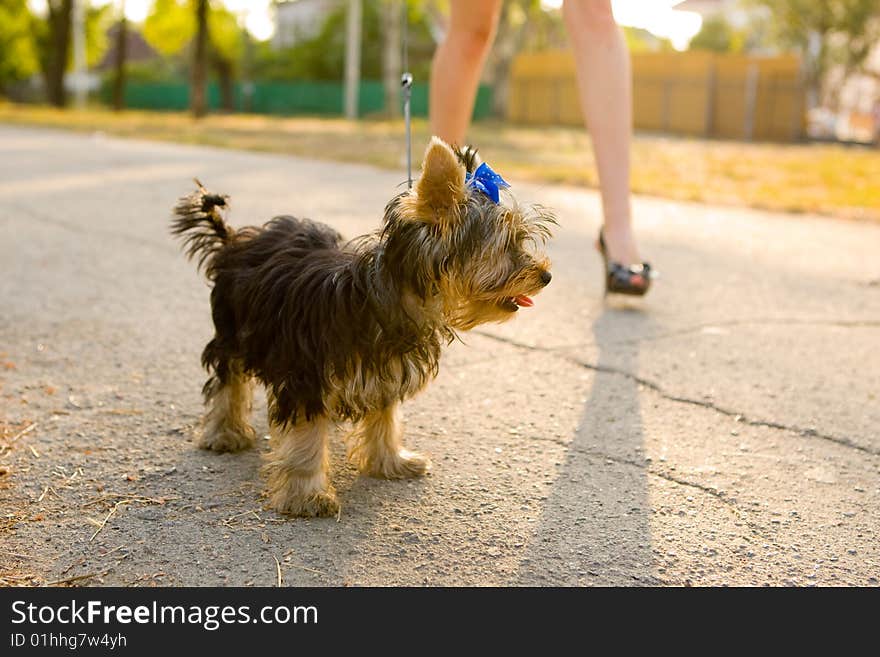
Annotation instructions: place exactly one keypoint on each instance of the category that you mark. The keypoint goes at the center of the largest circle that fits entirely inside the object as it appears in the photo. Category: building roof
(136, 50)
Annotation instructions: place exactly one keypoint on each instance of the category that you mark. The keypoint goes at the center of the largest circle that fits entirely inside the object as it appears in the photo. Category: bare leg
(458, 62)
(297, 469)
(226, 427)
(605, 86)
(376, 447)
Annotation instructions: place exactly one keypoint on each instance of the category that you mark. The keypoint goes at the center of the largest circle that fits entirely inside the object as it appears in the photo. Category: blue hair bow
(487, 181)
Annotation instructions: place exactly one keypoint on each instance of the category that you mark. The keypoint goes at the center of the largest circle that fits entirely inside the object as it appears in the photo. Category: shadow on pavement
(595, 528)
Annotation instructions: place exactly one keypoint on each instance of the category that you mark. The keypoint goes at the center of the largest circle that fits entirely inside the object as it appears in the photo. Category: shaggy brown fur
(346, 331)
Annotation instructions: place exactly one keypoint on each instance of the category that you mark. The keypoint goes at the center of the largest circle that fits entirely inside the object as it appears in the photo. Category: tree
(523, 25)
(198, 100)
(119, 64)
(169, 27)
(831, 34)
(718, 35)
(322, 56)
(174, 26)
(18, 52)
(52, 37)
(99, 20)
(226, 43)
(55, 49)
(404, 23)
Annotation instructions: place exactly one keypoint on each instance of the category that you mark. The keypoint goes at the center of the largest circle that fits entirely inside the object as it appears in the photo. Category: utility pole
(353, 57)
(79, 53)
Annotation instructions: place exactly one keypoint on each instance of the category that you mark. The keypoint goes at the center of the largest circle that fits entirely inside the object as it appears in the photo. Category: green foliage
(41, 34)
(18, 52)
(827, 34)
(546, 30)
(98, 22)
(225, 33)
(170, 26)
(420, 40)
(168, 69)
(718, 35)
(640, 41)
(322, 57)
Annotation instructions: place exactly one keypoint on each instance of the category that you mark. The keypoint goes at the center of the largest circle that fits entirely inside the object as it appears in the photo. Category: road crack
(662, 392)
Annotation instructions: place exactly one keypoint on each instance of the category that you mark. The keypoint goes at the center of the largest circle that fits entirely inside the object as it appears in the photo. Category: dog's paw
(403, 464)
(228, 439)
(301, 496)
(317, 505)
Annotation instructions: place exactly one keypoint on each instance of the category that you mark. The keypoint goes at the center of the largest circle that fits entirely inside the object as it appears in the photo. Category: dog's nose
(546, 277)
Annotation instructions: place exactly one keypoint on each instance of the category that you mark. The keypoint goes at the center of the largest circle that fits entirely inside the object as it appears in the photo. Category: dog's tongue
(523, 300)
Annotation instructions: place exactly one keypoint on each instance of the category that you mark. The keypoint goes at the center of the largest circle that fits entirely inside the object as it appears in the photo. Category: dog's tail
(198, 222)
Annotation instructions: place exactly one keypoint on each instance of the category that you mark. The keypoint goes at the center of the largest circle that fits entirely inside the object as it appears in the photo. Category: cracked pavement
(721, 431)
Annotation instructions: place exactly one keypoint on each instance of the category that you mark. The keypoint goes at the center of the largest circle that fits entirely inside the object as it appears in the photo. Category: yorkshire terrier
(345, 331)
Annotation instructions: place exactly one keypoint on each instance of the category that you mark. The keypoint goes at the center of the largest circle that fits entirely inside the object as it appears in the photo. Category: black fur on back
(303, 312)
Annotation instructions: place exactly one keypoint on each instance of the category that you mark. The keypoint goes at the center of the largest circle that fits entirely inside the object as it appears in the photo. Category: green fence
(285, 98)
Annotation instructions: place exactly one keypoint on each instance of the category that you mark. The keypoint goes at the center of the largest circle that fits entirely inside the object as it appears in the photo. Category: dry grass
(13, 566)
(824, 178)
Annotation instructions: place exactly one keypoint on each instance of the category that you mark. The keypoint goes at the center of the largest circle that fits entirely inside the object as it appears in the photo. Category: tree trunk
(121, 53)
(391, 55)
(60, 16)
(247, 86)
(225, 76)
(198, 99)
(511, 37)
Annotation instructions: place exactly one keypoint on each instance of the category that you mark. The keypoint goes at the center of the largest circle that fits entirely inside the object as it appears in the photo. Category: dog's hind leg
(376, 447)
(228, 396)
(297, 469)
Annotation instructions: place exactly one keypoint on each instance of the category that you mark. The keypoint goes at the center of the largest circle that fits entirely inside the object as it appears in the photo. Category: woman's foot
(620, 278)
(620, 245)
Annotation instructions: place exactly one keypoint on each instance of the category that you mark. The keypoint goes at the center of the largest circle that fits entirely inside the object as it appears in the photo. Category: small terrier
(345, 331)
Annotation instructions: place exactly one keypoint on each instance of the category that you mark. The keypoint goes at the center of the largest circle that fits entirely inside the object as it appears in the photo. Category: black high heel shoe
(634, 280)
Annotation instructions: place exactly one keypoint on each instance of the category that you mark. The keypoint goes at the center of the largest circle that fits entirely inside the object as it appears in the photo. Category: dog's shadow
(595, 525)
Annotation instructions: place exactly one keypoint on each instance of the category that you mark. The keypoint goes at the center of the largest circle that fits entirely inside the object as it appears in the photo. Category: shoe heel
(600, 247)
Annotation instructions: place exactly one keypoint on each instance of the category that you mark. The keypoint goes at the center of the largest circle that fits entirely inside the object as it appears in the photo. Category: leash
(406, 81)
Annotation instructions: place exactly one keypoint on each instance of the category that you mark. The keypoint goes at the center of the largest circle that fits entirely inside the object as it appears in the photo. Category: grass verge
(829, 179)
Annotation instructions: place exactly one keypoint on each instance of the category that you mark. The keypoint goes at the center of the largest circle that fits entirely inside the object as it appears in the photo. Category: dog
(345, 331)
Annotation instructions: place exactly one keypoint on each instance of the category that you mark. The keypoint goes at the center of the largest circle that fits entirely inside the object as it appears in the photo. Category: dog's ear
(441, 187)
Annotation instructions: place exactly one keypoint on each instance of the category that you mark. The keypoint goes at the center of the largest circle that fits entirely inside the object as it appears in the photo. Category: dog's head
(450, 235)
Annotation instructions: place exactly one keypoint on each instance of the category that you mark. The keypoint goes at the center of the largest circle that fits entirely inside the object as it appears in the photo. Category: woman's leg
(458, 62)
(605, 86)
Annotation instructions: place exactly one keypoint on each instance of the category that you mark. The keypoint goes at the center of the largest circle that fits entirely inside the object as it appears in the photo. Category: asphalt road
(724, 430)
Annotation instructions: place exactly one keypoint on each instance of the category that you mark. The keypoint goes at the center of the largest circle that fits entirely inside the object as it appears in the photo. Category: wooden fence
(692, 93)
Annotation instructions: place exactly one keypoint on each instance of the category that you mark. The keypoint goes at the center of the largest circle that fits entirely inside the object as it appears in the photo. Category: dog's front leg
(297, 469)
(376, 447)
